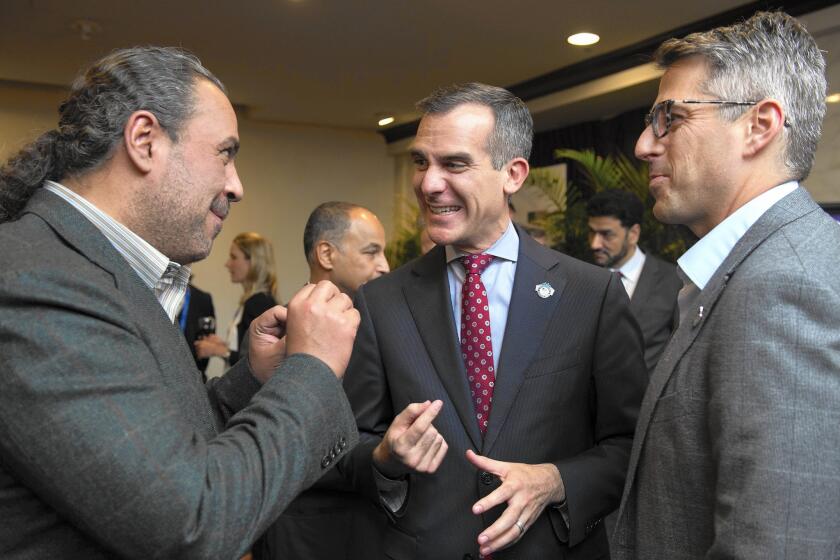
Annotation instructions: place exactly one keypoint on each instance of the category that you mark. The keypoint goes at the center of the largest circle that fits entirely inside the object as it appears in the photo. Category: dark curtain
(609, 136)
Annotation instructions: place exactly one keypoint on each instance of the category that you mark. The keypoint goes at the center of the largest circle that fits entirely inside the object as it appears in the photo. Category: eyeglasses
(660, 116)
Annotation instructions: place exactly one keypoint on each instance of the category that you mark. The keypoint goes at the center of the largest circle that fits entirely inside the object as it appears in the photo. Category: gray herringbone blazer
(737, 449)
(110, 445)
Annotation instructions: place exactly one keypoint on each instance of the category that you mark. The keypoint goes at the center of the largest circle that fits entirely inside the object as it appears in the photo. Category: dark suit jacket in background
(201, 305)
(326, 521)
(654, 304)
(569, 383)
(111, 445)
(737, 451)
(253, 307)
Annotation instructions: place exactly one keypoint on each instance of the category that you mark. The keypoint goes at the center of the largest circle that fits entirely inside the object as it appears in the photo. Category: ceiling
(341, 63)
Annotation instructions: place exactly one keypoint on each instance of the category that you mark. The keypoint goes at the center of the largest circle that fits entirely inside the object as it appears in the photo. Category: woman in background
(251, 264)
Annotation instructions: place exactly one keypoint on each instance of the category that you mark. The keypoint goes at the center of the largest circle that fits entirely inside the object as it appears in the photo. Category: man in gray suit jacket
(535, 479)
(737, 448)
(111, 445)
(615, 225)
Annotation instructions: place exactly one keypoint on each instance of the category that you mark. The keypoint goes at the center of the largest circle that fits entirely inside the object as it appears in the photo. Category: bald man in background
(345, 244)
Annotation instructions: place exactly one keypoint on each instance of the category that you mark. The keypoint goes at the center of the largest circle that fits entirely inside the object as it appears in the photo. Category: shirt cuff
(563, 508)
(393, 493)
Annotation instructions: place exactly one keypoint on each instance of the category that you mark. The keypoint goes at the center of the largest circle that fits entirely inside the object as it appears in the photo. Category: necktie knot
(476, 264)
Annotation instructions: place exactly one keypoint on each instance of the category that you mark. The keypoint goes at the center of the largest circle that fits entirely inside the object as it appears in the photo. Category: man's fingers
(303, 293)
(341, 301)
(506, 537)
(324, 291)
(409, 414)
(498, 496)
(422, 422)
(272, 321)
(426, 464)
(438, 458)
(483, 463)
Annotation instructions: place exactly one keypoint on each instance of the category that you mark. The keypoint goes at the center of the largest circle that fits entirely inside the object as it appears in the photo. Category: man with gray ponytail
(737, 446)
(111, 445)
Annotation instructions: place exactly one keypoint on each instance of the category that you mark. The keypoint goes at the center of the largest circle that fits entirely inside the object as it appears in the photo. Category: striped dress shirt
(168, 279)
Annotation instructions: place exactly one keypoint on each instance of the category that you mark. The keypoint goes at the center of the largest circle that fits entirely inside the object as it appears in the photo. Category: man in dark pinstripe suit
(562, 373)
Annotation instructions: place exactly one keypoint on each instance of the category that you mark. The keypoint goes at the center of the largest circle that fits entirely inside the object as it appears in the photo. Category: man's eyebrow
(457, 156)
(414, 152)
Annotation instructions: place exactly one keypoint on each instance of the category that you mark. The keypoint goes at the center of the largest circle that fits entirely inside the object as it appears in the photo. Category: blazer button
(326, 462)
(485, 478)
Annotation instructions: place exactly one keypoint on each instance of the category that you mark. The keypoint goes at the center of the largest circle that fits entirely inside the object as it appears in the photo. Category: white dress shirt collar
(631, 271)
(167, 279)
(506, 247)
(701, 261)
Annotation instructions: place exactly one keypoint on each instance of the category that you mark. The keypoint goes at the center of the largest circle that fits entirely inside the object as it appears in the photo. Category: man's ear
(324, 253)
(633, 233)
(766, 123)
(143, 138)
(517, 171)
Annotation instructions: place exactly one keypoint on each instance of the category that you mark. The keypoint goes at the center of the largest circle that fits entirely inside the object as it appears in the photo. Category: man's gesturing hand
(322, 322)
(411, 442)
(267, 342)
(527, 490)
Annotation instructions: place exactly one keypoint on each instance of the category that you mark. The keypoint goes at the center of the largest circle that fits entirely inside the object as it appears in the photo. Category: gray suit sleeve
(773, 419)
(90, 426)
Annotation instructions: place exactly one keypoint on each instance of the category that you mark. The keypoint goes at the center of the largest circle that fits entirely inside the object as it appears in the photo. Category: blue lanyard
(182, 320)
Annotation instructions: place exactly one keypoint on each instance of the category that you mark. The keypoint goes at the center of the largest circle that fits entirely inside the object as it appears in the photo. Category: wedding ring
(521, 527)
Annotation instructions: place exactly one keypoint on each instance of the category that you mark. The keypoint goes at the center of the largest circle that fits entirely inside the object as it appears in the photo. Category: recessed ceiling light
(583, 39)
(833, 98)
(385, 121)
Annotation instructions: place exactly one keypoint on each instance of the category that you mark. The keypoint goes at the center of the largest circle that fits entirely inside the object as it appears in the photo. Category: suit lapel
(428, 299)
(162, 336)
(528, 316)
(793, 206)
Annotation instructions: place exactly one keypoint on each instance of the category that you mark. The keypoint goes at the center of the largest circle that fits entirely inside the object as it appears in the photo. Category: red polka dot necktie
(476, 343)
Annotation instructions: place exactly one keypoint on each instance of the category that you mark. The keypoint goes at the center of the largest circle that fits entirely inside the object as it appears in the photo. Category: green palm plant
(405, 243)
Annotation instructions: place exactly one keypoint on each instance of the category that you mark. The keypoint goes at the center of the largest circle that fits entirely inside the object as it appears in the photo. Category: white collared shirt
(701, 261)
(168, 279)
(631, 271)
(498, 281)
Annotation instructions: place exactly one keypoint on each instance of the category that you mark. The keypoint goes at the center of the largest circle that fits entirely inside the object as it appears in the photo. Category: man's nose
(382, 265)
(233, 186)
(648, 145)
(429, 181)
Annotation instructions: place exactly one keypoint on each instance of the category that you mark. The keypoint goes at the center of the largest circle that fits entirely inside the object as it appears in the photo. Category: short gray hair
(769, 56)
(513, 130)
